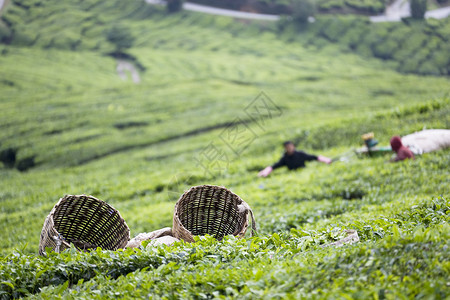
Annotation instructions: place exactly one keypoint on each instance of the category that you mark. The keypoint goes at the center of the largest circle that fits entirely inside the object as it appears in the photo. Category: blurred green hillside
(216, 99)
(413, 46)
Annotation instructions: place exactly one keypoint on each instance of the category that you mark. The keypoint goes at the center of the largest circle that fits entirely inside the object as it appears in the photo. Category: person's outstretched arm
(269, 169)
(324, 159)
(265, 172)
(321, 158)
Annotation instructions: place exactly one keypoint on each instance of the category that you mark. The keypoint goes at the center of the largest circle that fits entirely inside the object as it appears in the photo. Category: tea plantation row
(419, 47)
(403, 229)
(410, 261)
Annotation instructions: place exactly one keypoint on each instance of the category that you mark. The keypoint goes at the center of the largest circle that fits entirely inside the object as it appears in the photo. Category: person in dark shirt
(293, 159)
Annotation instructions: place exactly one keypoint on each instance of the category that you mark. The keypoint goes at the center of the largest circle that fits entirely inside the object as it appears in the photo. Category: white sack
(427, 140)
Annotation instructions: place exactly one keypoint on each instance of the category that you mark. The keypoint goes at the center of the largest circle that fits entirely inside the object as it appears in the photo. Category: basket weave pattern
(210, 210)
(85, 221)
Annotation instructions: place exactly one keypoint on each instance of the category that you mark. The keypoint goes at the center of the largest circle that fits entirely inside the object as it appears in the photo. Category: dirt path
(440, 13)
(400, 9)
(220, 11)
(123, 67)
(229, 13)
(394, 12)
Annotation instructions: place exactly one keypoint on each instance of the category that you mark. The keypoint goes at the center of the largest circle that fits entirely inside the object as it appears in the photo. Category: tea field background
(76, 127)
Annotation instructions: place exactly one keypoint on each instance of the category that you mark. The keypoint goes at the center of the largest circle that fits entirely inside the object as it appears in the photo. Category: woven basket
(210, 210)
(86, 222)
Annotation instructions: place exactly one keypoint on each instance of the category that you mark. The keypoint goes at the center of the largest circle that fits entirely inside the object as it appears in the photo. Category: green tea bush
(302, 10)
(429, 68)
(5, 32)
(66, 41)
(174, 5)
(418, 8)
(23, 36)
(441, 61)
(401, 33)
(362, 7)
(331, 4)
(120, 37)
(385, 49)
(419, 228)
(402, 43)
(415, 42)
(335, 28)
(367, 6)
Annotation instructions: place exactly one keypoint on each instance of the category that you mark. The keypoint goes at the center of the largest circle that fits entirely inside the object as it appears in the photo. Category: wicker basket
(84, 221)
(210, 210)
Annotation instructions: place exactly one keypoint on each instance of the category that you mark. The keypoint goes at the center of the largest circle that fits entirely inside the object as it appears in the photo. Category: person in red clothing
(402, 151)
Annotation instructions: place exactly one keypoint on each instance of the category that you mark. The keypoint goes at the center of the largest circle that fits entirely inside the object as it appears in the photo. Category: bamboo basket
(84, 221)
(212, 210)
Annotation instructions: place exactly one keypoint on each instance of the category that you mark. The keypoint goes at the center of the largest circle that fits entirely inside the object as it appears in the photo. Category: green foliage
(354, 6)
(370, 6)
(72, 126)
(302, 10)
(382, 202)
(120, 37)
(419, 48)
(5, 32)
(418, 8)
(174, 5)
(72, 26)
(186, 268)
